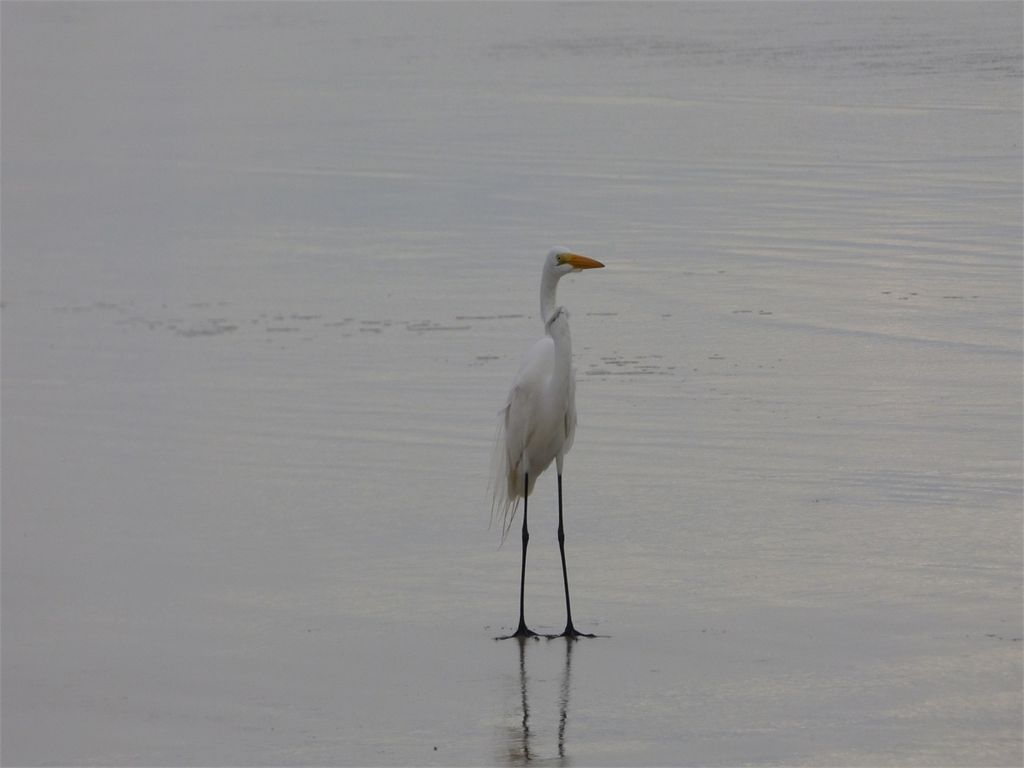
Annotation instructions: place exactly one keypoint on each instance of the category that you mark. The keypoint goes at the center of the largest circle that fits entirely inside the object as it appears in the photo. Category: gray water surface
(268, 270)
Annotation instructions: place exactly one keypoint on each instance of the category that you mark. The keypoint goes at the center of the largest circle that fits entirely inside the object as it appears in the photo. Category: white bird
(538, 421)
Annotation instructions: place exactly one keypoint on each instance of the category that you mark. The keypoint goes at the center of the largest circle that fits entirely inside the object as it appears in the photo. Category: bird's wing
(523, 411)
(570, 413)
(516, 423)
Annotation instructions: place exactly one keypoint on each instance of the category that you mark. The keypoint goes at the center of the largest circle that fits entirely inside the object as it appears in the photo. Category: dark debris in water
(634, 365)
(489, 317)
(205, 328)
(428, 325)
(190, 320)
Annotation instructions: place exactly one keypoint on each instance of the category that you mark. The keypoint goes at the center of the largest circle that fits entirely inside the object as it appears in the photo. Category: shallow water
(267, 274)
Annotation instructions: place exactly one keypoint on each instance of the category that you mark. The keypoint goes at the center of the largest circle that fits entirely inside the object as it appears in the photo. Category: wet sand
(267, 274)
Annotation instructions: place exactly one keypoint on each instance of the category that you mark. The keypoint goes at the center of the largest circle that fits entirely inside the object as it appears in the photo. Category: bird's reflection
(521, 749)
(523, 752)
(563, 700)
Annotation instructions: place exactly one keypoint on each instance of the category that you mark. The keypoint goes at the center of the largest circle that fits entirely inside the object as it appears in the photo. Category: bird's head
(561, 262)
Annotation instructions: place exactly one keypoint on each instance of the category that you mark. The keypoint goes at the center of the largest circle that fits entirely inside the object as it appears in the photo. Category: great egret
(538, 421)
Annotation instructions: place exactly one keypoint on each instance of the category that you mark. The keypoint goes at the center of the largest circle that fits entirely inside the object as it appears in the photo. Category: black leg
(522, 630)
(570, 631)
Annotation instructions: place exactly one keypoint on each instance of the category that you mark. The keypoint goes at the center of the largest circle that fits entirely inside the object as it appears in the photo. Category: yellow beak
(581, 262)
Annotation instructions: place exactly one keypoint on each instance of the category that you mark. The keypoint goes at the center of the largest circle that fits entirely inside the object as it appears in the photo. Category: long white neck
(558, 328)
(548, 288)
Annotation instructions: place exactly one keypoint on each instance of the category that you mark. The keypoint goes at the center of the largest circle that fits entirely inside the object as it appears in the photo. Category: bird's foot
(521, 632)
(571, 633)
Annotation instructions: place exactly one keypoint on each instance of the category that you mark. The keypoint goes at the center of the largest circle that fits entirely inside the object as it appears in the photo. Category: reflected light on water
(518, 743)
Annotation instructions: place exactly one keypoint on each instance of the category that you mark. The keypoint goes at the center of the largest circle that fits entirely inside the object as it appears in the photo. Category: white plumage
(538, 422)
